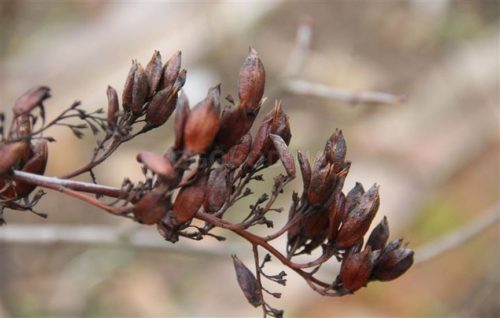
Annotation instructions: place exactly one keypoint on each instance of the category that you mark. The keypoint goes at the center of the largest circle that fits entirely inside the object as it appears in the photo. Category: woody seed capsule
(151, 207)
(251, 81)
(112, 107)
(154, 72)
(31, 99)
(356, 269)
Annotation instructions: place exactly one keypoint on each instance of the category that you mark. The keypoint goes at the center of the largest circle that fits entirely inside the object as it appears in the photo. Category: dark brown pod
(154, 72)
(11, 154)
(355, 270)
(156, 163)
(36, 164)
(31, 99)
(305, 169)
(379, 235)
(136, 89)
(218, 189)
(354, 196)
(393, 262)
(203, 123)
(335, 149)
(251, 81)
(235, 123)
(322, 184)
(238, 153)
(129, 87)
(284, 153)
(171, 70)
(112, 107)
(189, 200)
(161, 107)
(151, 207)
(359, 219)
(259, 142)
(247, 282)
(182, 111)
(335, 213)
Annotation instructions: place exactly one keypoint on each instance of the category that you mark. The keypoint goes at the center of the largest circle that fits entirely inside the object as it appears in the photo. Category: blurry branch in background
(113, 235)
(291, 83)
(456, 238)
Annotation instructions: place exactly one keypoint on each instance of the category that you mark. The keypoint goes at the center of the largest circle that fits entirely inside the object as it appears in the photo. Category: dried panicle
(203, 123)
(31, 99)
(154, 72)
(247, 281)
(113, 107)
(251, 82)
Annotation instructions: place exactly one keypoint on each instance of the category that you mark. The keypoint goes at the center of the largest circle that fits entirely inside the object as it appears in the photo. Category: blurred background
(435, 156)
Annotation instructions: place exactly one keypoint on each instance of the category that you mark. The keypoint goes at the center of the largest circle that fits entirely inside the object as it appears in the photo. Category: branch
(456, 238)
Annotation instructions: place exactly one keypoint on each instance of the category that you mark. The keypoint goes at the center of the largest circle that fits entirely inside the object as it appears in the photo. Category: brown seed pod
(247, 282)
(354, 196)
(151, 207)
(251, 81)
(335, 213)
(156, 163)
(218, 189)
(238, 153)
(161, 107)
(357, 221)
(235, 123)
(322, 184)
(154, 72)
(379, 235)
(393, 262)
(284, 153)
(203, 123)
(335, 149)
(189, 200)
(31, 99)
(136, 89)
(182, 111)
(171, 70)
(112, 107)
(305, 169)
(356, 269)
(36, 164)
(11, 154)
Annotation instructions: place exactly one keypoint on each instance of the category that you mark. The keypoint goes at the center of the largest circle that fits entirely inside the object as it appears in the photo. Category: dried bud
(284, 153)
(251, 82)
(235, 123)
(247, 282)
(238, 153)
(203, 123)
(393, 262)
(182, 111)
(158, 164)
(171, 70)
(189, 200)
(355, 270)
(305, 169)
(10, 155)
(151, 207)
(354, 196)
(218, 189)
(31, 99)
(154, 72)
(335, 149)
(161, 107)
(322, 182)
(136, 89)
(112, 107)
(359, 219)
(379, 236)
(36, 164)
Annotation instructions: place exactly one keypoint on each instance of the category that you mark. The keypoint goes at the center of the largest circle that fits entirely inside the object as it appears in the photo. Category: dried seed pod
(151, 207)
(10, 155)
(156, 163)
(171, 70)
(335, 213)
(238, 153)
(36, 164)
(354, 196)
(335, 149)
(182, 111)
(112, 107)
(393, 262)
(154, 72)
(251, 81)
(136, 89)
(218, 189)
(31, 99)
(322, 183)
(235, 123)
(284, 153)
(203, 123)
(247, 281)
(359, 219)
(189, 200)
(355, 270)
(379, 235)
(305, 169)
(161, 107)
